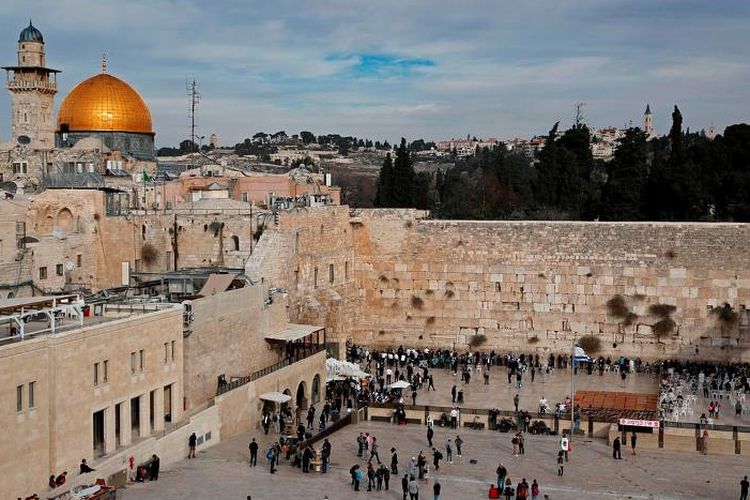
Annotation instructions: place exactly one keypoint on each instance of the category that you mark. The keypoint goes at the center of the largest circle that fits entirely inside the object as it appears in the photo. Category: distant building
(466, 147)
(213, 141)
(648, 123)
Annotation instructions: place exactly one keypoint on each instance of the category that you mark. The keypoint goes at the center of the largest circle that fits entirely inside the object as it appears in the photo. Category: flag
(580, 355)
(146, 178)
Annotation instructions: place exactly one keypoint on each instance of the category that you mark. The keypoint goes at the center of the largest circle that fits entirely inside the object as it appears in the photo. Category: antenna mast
(193, 100)
(579, 114)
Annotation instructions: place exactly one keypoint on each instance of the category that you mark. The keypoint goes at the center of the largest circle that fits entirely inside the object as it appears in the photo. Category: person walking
(436, 490)
(534, 490)
(516, 400)
(520, 443)
(633, 442)
(744, 486)
(370, 477)
(374, 447)
(436, 457)
(449, 451)
(413, 489)
(253, 453)
(508, 489)
(459, 446)
(560, 463)
(430, 433)
(564, 445)
(616, 449)
(192, 441)
(405, 485)
(502, 473)
(522, 490)
(394, 462)
(325, 456)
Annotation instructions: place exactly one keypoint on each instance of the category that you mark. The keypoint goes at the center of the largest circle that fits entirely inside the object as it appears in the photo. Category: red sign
(654, 424)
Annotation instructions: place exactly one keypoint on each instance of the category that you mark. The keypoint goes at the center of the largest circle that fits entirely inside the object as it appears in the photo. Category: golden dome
(104, 103)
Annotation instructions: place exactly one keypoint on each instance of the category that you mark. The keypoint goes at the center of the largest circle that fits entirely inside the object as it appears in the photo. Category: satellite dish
(24, 139)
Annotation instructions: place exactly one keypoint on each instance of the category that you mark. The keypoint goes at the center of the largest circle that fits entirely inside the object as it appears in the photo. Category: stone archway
(65, 221)
(315, 389)
(301, 399)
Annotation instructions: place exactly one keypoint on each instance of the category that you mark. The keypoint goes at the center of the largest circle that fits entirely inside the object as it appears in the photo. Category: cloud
(430, 68)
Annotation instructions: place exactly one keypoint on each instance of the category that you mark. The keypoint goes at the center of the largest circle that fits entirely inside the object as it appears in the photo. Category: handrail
(240, 381)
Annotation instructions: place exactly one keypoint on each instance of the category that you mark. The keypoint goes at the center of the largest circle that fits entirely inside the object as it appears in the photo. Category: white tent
(275, 397)
(401, 384)
(337, 367)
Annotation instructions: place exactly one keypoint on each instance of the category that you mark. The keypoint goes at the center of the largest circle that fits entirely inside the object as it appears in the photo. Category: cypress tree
(384, 192)
(403, 178)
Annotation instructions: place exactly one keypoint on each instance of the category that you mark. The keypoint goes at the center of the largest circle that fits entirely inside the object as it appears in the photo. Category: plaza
(222, 472)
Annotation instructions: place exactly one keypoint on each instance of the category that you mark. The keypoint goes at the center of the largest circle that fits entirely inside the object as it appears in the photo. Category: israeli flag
(580, 355)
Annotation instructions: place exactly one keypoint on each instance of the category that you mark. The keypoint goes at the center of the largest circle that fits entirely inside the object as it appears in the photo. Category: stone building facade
(120, 379)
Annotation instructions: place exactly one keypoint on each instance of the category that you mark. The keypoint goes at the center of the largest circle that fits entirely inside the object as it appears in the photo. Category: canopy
(292, 332)
(335, 367)
(401, 384)
(334, 378)
(275, 397)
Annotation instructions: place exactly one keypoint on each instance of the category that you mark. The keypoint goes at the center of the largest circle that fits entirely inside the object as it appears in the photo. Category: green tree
(627, 175)
(403, 178)
(384, 187)
(307, 137)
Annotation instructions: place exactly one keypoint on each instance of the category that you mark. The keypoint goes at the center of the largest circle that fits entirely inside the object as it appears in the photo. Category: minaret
(648, 122)
(32, 88)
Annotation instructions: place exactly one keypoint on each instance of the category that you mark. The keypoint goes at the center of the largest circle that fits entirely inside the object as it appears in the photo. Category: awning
(401, 384)
(40, 302)
(275, 397)
(216, 283)
(293, 332)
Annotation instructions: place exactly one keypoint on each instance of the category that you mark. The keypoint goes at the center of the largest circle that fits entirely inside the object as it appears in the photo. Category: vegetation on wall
(477, 340)
(590, 344)
(149, 253)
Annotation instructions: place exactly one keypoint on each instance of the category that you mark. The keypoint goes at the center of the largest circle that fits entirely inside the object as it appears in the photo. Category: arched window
(236, 243)
(315, 393)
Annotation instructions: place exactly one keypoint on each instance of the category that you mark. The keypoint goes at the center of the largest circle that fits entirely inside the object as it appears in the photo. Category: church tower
(648, 122)
(32, 87)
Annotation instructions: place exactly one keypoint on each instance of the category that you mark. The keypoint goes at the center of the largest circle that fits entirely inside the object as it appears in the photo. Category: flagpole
(572, 388)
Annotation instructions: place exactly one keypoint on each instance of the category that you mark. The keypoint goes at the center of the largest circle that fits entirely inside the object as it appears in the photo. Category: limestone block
(677, 272)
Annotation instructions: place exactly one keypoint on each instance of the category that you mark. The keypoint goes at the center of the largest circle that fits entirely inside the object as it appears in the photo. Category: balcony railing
(240, 381)
(31, 85)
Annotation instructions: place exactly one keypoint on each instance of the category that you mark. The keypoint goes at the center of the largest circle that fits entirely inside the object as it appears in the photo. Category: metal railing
(240, 381)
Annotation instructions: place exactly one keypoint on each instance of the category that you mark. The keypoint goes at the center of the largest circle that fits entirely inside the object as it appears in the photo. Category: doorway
(135, 418)
(168, 403)
(118, 425)
(99, 446)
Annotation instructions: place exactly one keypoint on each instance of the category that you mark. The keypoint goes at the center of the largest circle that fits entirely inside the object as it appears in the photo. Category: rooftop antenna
(193, 99)
(579, 114)
(104, 62)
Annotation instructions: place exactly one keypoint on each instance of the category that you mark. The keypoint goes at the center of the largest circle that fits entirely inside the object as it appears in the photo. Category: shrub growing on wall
(417, 302)
(149, 253)
(477, 340)
(590, 344)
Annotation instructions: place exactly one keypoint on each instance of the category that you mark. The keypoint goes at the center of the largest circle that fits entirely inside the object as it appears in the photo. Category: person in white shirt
(454, 418)
(543, 405)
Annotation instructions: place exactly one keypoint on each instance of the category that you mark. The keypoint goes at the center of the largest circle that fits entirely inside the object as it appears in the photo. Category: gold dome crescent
(104, 103)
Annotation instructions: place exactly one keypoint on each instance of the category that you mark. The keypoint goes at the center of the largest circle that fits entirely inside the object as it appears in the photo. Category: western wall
(525, 286)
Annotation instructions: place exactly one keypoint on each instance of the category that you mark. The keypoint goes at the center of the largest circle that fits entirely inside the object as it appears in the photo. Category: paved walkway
(554, 387)
(222, 472)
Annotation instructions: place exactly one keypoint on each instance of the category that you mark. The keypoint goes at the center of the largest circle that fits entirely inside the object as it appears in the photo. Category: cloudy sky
(417, 68)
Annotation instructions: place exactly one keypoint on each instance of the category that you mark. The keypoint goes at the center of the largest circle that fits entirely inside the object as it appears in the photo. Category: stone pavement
(554, 387)
(222, 472)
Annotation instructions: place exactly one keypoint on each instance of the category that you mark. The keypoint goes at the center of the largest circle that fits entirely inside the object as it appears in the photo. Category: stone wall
(534, 286)
(227, 339)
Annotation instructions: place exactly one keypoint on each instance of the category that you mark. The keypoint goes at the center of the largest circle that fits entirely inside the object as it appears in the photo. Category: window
(166, 352)
(132, 363)
(236, 243)
(19, 398)
(20, 167)
(172, 352)
(96, 374)
(105, 377)
(330, 273)
(43, 273)
(141, 357)
(32, 386)
(315, 278)
(59, 269)
(346, 270)
(79, 260)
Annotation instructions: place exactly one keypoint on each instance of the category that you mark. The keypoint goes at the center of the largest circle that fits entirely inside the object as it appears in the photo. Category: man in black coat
(253, 453)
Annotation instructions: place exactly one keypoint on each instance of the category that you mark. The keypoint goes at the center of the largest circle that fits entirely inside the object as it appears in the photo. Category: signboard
(654, 424)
